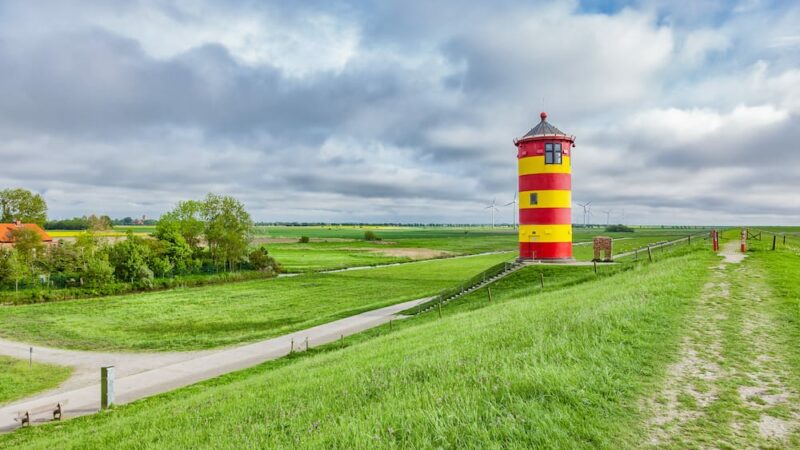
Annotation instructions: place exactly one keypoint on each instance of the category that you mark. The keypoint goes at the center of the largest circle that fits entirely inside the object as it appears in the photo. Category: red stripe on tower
(545, 216)
(544, 250)
(545, 181)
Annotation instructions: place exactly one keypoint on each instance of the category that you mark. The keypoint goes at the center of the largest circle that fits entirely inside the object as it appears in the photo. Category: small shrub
(371, 236)
(619, 228)
(304, 240)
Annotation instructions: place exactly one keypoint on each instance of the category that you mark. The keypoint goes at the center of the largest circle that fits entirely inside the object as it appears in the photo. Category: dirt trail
(729, 387)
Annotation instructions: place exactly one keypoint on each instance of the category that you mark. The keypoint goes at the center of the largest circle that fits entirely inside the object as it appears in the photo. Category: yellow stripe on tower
(545, 199)
(535, 164)
(545, 233)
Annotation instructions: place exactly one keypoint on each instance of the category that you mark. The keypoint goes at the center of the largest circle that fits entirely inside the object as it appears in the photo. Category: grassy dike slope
(19, 380)
(565, 369)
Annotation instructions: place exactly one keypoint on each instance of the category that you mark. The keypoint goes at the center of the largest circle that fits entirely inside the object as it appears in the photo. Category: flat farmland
(220, 315)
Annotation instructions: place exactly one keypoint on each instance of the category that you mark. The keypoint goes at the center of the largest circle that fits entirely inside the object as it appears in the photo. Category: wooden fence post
(595, 267)
(439, 307)
(291, 346)
(541, 279)
(774, 239)
(489, 293)
(649, 253)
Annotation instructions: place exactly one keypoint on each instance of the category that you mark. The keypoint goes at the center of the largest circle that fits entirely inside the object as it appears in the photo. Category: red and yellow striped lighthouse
(545, 193)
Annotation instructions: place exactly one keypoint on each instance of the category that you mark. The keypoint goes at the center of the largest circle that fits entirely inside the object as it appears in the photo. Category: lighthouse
(545, 193)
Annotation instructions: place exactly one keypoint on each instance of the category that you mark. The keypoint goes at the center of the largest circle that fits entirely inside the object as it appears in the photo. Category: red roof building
(7, 232)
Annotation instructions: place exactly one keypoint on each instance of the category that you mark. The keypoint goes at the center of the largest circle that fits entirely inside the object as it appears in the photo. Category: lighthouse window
(534, 198)
(552, 153)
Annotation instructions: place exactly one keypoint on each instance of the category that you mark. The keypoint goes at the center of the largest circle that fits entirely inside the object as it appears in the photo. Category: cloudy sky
(684, 112)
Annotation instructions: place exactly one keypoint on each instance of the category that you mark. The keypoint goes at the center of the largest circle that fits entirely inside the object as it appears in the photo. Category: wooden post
(291, 346)
(636, 254)
(541, 279)
(784, 239)
(390, 325)
(106, 387)
(306, 343)
(439, 307)
(489, 293)
(649, 253)
(689, 239)
(595, 267)
(774, 239)
(341, 339)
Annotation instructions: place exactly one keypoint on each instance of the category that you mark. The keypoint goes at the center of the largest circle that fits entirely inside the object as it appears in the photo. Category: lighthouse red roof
(544, 128)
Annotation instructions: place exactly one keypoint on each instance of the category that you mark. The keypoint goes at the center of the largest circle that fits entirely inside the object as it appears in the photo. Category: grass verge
(18, 380)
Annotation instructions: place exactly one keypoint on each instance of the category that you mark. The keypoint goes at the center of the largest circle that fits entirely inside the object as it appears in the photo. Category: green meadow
(18, 379)
(557, 369)
(227, 314)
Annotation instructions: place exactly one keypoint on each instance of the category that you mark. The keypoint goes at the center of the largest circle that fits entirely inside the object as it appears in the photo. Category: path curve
(142, 375)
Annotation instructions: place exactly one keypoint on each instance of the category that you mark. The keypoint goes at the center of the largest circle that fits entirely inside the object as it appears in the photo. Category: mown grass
(562, 370)
(214, 316)
(19, 380)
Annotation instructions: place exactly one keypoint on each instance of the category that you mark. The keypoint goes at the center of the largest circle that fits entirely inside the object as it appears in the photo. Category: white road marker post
(106, 387)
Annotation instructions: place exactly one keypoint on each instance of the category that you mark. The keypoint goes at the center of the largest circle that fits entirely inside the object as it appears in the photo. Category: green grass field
(213, 316)
(562, 369)
(338, 247)
(18, 380)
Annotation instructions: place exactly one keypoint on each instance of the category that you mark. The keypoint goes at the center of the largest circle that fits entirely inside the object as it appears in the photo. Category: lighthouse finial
(543, 115)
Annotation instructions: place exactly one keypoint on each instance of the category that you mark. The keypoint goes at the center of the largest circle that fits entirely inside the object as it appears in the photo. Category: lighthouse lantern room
(545, 193)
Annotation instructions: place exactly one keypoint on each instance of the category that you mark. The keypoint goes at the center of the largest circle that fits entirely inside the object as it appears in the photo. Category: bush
(304, 240)
(619, 228)
(260, 260)
(371, 236)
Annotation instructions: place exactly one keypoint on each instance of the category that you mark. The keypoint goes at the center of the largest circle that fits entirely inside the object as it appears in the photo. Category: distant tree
(261, 260)
(23, 205)
(619, 228)
(99, 223)
(98, 272)
(172, 246)
(228, 229)
(187, 218)
(127, 221)
(6, 271)
(76, 223)
(129, 259)
(28, 245)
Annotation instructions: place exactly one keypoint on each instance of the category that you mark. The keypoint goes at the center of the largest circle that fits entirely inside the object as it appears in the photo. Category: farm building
(7, 232)
(545, 193)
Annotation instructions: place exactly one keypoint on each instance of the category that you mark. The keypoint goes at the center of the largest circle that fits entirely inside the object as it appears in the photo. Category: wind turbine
(493, 208)
(586, 208)
(607, 212)
(514, 212)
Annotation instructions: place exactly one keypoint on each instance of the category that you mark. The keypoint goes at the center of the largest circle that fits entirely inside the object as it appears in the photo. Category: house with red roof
(7, 233)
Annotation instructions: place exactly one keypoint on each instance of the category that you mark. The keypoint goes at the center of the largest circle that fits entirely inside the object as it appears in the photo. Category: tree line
(207, 236)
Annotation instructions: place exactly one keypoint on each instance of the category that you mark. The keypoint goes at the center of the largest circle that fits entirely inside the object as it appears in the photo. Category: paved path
(143, 375)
